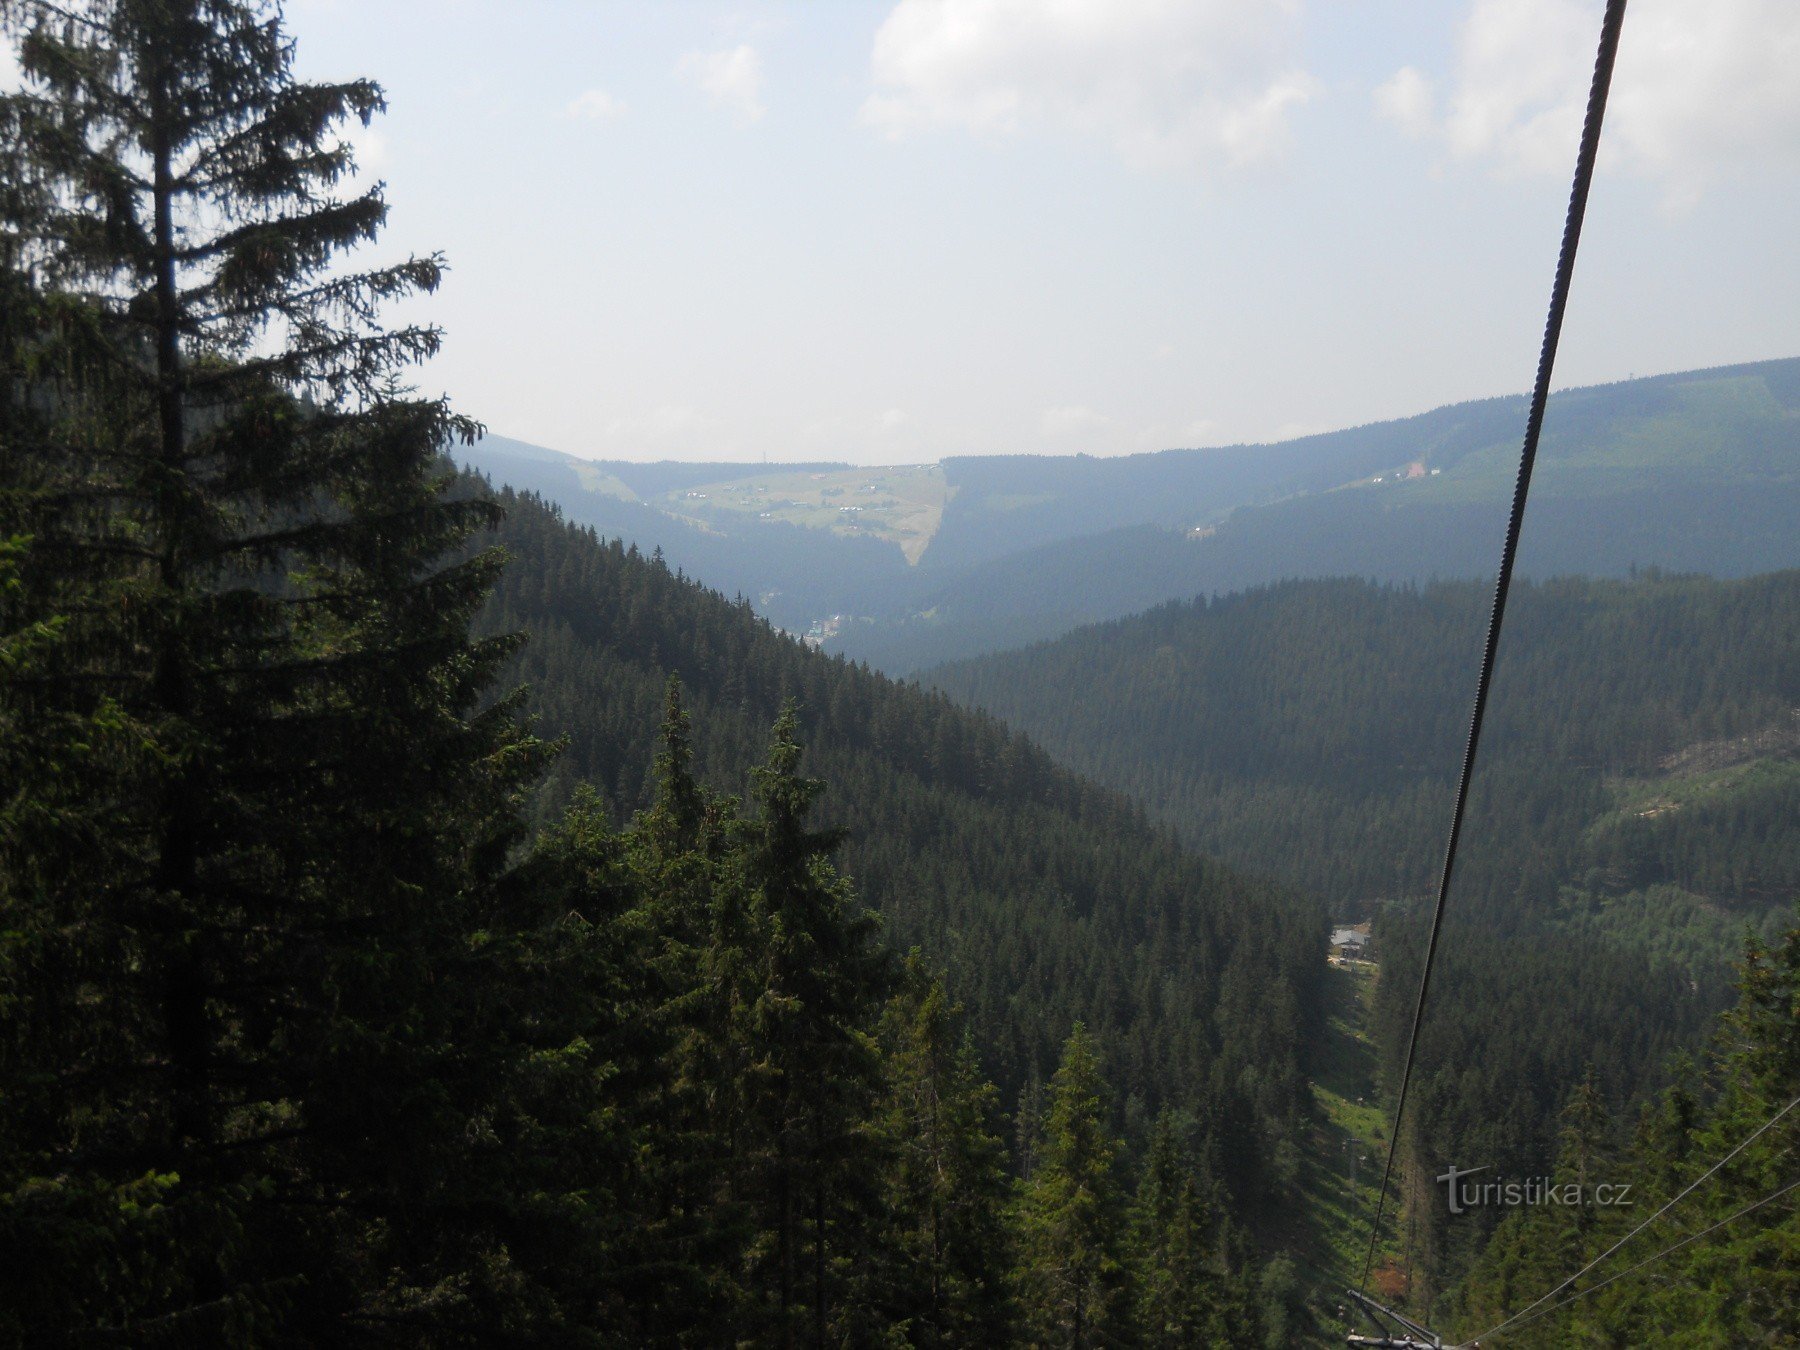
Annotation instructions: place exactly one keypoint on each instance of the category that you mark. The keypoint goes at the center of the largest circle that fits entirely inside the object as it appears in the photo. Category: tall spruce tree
(679, 851)
(809, 985)
(1726, 1267)
(946, 1185)
(274, 1108)
(1074, 1285)
(600, 1127)
(1184, 1292)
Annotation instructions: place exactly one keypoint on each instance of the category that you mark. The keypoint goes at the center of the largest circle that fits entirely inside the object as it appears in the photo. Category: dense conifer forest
(1632, 813)
(343, 1005)
(1722, 1270)
(426, 922)
(1643, 733)
(1042, 897)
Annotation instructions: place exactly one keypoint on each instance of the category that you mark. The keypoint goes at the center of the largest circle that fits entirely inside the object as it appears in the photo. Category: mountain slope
(1633, 810)
(1045, 898)
(1314, 727)
(1692, 472)
(792, 574)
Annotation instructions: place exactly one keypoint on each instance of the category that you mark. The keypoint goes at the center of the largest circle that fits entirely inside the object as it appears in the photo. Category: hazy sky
(894, 231)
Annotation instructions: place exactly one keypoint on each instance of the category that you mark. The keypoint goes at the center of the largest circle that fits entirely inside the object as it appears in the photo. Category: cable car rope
(1559, 298)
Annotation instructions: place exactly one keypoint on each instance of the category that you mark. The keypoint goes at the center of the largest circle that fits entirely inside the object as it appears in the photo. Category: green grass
(1332, 1240)
(1727, 429)
(903, 504)
(595, 479)
(1676, 792)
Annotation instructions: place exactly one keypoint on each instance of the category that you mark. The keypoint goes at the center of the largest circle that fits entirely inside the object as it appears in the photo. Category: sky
(891, 232)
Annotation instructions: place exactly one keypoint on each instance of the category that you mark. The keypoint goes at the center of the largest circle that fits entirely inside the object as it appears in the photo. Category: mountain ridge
(1686, 470)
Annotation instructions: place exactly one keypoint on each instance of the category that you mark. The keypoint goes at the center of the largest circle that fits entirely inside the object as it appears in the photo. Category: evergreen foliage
(1183, 1249)
(271, 1075)
(948, 1181)
(335, 1008)
(1631, 812)
(1074, 1284)
(1042, 899)
(1736, 1284)
(1315, 728)
(307, 1040)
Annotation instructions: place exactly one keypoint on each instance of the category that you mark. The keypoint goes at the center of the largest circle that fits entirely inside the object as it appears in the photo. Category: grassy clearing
(1675, 792)
(1342, 1168)
(901, 503)
(595, 479)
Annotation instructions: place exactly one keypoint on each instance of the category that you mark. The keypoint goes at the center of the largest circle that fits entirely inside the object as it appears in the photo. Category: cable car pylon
(1403, 1332)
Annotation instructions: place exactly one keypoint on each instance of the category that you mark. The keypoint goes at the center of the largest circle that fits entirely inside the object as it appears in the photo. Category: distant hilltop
(1698, 470)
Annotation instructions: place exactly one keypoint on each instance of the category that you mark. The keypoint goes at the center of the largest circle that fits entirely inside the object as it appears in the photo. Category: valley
(929, 563)
(458, 892)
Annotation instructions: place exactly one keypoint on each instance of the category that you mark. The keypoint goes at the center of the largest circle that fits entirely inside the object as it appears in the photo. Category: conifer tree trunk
(784, 1231)
(185, 979)
(818, 1198)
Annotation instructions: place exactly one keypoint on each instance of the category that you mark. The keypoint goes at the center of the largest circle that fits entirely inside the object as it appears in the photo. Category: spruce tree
(680, 852)
(1729, 1269)
(1181, 1298)
(63, 774)
(946, 1183)
(809, 986)
(1586, 1147)
(1074, 1286)
(278, 1109)
(600, 1125)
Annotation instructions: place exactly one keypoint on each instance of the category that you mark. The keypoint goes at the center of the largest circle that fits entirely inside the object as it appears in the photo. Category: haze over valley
(910, 565)
(1021, 733)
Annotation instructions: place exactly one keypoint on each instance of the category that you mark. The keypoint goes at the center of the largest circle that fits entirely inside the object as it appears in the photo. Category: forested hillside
(1639, 730)
(1045, 899)
(1689, 472)
(427, 920)
(1734, 424)
(1632, 812)
(1721, 1268)
(791, 574)
(327, 1019)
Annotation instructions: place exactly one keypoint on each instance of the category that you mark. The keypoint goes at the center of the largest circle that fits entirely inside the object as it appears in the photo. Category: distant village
(823, 630)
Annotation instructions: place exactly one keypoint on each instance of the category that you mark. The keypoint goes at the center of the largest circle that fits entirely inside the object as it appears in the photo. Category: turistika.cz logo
(1466, 1195)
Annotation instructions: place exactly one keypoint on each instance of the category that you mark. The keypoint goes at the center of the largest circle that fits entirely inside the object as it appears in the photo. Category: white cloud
(1700, 91)
(1075, 420)
(890, 421)
(731, 78)
(1168, 83)
(1710, 90)
(1408, 101)
(594, 105)
(1522, 83)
